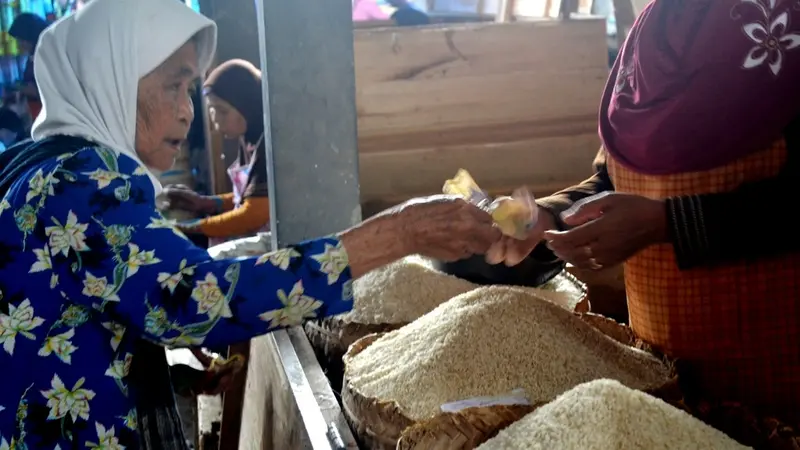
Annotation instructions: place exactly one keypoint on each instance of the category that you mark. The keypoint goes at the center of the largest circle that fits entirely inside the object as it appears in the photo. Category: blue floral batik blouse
(88, 267)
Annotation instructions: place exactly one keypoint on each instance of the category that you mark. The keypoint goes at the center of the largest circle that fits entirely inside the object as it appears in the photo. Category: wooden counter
(290, 404)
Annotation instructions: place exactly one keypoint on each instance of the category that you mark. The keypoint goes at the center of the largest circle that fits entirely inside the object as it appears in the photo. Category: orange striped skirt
(735, 327)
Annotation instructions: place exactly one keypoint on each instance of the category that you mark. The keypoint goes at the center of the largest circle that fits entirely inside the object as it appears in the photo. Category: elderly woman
(700, 144)
(90, 272)
(233, 91)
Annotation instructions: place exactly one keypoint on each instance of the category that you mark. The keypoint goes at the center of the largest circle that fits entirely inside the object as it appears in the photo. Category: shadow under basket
(535, 270)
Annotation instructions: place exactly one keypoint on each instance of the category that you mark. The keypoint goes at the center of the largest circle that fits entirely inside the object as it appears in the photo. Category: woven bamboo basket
(381, 425)
(606, 290)
(331, 337)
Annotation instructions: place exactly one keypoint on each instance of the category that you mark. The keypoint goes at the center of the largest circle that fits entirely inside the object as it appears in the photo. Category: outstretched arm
(112, 251)
(563, 200)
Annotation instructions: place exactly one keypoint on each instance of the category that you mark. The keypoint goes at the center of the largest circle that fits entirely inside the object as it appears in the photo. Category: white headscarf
(88, 66)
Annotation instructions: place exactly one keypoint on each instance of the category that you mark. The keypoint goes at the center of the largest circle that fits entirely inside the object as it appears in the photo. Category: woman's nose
(186, 110)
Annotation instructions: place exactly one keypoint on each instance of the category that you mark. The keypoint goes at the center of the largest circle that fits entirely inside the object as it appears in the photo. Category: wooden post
(310, 117)
(505, 12)
(231, 424)
(568, 7)
(310, 134)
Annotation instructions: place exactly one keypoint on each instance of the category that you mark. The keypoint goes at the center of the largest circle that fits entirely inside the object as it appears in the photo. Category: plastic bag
(515, 215)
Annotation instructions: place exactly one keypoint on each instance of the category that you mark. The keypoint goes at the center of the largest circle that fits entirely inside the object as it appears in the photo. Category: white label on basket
(517, 397)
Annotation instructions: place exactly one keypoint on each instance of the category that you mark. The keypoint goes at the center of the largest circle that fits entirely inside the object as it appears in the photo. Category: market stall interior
(508, 90)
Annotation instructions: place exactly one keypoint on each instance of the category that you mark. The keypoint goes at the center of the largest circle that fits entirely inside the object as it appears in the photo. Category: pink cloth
(368, 10)
(701, 83)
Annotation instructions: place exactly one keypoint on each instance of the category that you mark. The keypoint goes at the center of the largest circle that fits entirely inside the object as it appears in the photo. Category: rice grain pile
(402, 291)
(603, 415)
(489, 342)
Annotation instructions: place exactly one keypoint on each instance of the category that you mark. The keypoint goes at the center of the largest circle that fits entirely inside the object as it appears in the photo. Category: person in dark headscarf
(233, 91)
(406, 15)
(12, 129)
(26, 29)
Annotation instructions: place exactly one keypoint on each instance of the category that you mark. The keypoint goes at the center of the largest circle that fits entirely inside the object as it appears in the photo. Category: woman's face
(225, 118)
(164, 109)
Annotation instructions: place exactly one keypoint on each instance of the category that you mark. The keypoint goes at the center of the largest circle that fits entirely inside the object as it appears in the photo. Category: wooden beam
(500, 100)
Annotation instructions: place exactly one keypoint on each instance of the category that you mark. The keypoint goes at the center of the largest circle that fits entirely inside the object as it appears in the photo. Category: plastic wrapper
(514, 215)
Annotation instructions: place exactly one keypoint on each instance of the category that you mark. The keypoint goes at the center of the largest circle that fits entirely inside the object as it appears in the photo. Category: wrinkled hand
(446, 228)
(512, 251)
(607, 229)
(181, 197)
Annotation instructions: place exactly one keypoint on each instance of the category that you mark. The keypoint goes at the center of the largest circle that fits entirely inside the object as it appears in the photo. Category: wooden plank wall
(515, 104)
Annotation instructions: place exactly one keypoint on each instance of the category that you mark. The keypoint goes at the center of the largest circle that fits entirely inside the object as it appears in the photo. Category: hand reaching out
(608, 228)
(512, 251)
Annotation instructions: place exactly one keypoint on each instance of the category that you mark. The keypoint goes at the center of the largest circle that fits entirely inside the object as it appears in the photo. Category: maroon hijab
(701, 83)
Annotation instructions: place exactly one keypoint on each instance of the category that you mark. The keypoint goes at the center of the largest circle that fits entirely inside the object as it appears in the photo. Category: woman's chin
(162, 165)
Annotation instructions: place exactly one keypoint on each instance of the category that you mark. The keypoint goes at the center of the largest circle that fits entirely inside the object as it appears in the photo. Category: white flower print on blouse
(297, 308)
(165, 224)
(60, 345)
(40, 184)
(279, 258)
(129, 420)
(43, 261)
(106, 439)
(210, 299)
(171, 281)
(68, 236)
(771, 36)
(117, 332)
(105, 177)
(21, 320)
(99, 287)
(138, 258)
(333, 261)
(120, 368)
(4, 205)
(63, 401)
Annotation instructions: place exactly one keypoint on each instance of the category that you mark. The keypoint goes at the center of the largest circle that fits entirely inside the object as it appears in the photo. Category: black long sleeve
(745, 223)
(710, 229)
